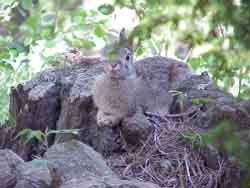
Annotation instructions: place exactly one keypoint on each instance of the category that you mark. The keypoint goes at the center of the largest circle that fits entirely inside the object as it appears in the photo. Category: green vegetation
(29, 134)
(226, 139)
(201, 100)
(34, 32)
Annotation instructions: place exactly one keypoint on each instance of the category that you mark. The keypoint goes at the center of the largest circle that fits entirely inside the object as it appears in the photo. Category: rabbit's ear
(122, 36)
(124, 41)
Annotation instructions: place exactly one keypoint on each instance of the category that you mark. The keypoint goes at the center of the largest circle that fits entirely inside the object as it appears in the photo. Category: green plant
(201, 100)
(195, 138)
(28, 134)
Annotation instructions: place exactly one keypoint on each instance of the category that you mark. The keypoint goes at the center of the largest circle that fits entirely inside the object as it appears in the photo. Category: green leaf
(232, 145)
(139, 51)
(33, 22)
(26, 4)
(65, 131)
(79, 16)
(99, 31)
(93, 13)
(17, 45)
(50, 44)
(28, 134)
(6, 66)
(195, 63)
(47, 32)
(106, 9)
(23, 133)
(38, 135)
(201, 100)
(88, 44)
(79, 13)
(13, 52)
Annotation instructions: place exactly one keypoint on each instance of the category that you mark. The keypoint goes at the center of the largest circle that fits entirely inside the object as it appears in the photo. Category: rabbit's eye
(127, 57)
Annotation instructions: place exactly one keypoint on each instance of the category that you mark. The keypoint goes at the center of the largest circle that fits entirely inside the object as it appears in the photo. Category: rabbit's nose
(114, 65)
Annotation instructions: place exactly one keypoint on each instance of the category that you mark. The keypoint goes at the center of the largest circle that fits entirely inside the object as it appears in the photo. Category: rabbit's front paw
(106, 119)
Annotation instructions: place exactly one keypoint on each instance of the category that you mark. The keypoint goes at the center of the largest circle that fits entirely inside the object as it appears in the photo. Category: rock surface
(109, 182)
(66, 165)
(33, 174)
(75, 164)
(136, 129)
(212, 104)
(74, 159)
(8, 163)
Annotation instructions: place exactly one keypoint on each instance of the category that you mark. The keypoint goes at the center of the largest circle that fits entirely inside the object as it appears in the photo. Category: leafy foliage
(226, 139)
(29, 134)
(106, 9)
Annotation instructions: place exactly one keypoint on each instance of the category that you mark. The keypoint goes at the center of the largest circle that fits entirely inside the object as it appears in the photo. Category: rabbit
(129, 86)
(113, 91)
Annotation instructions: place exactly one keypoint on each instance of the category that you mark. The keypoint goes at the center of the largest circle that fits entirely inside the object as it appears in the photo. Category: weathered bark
(62, 99)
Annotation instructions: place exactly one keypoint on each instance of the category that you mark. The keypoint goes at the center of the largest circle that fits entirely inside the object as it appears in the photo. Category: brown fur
(114, 98)
(155, 77)
(128, 86)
